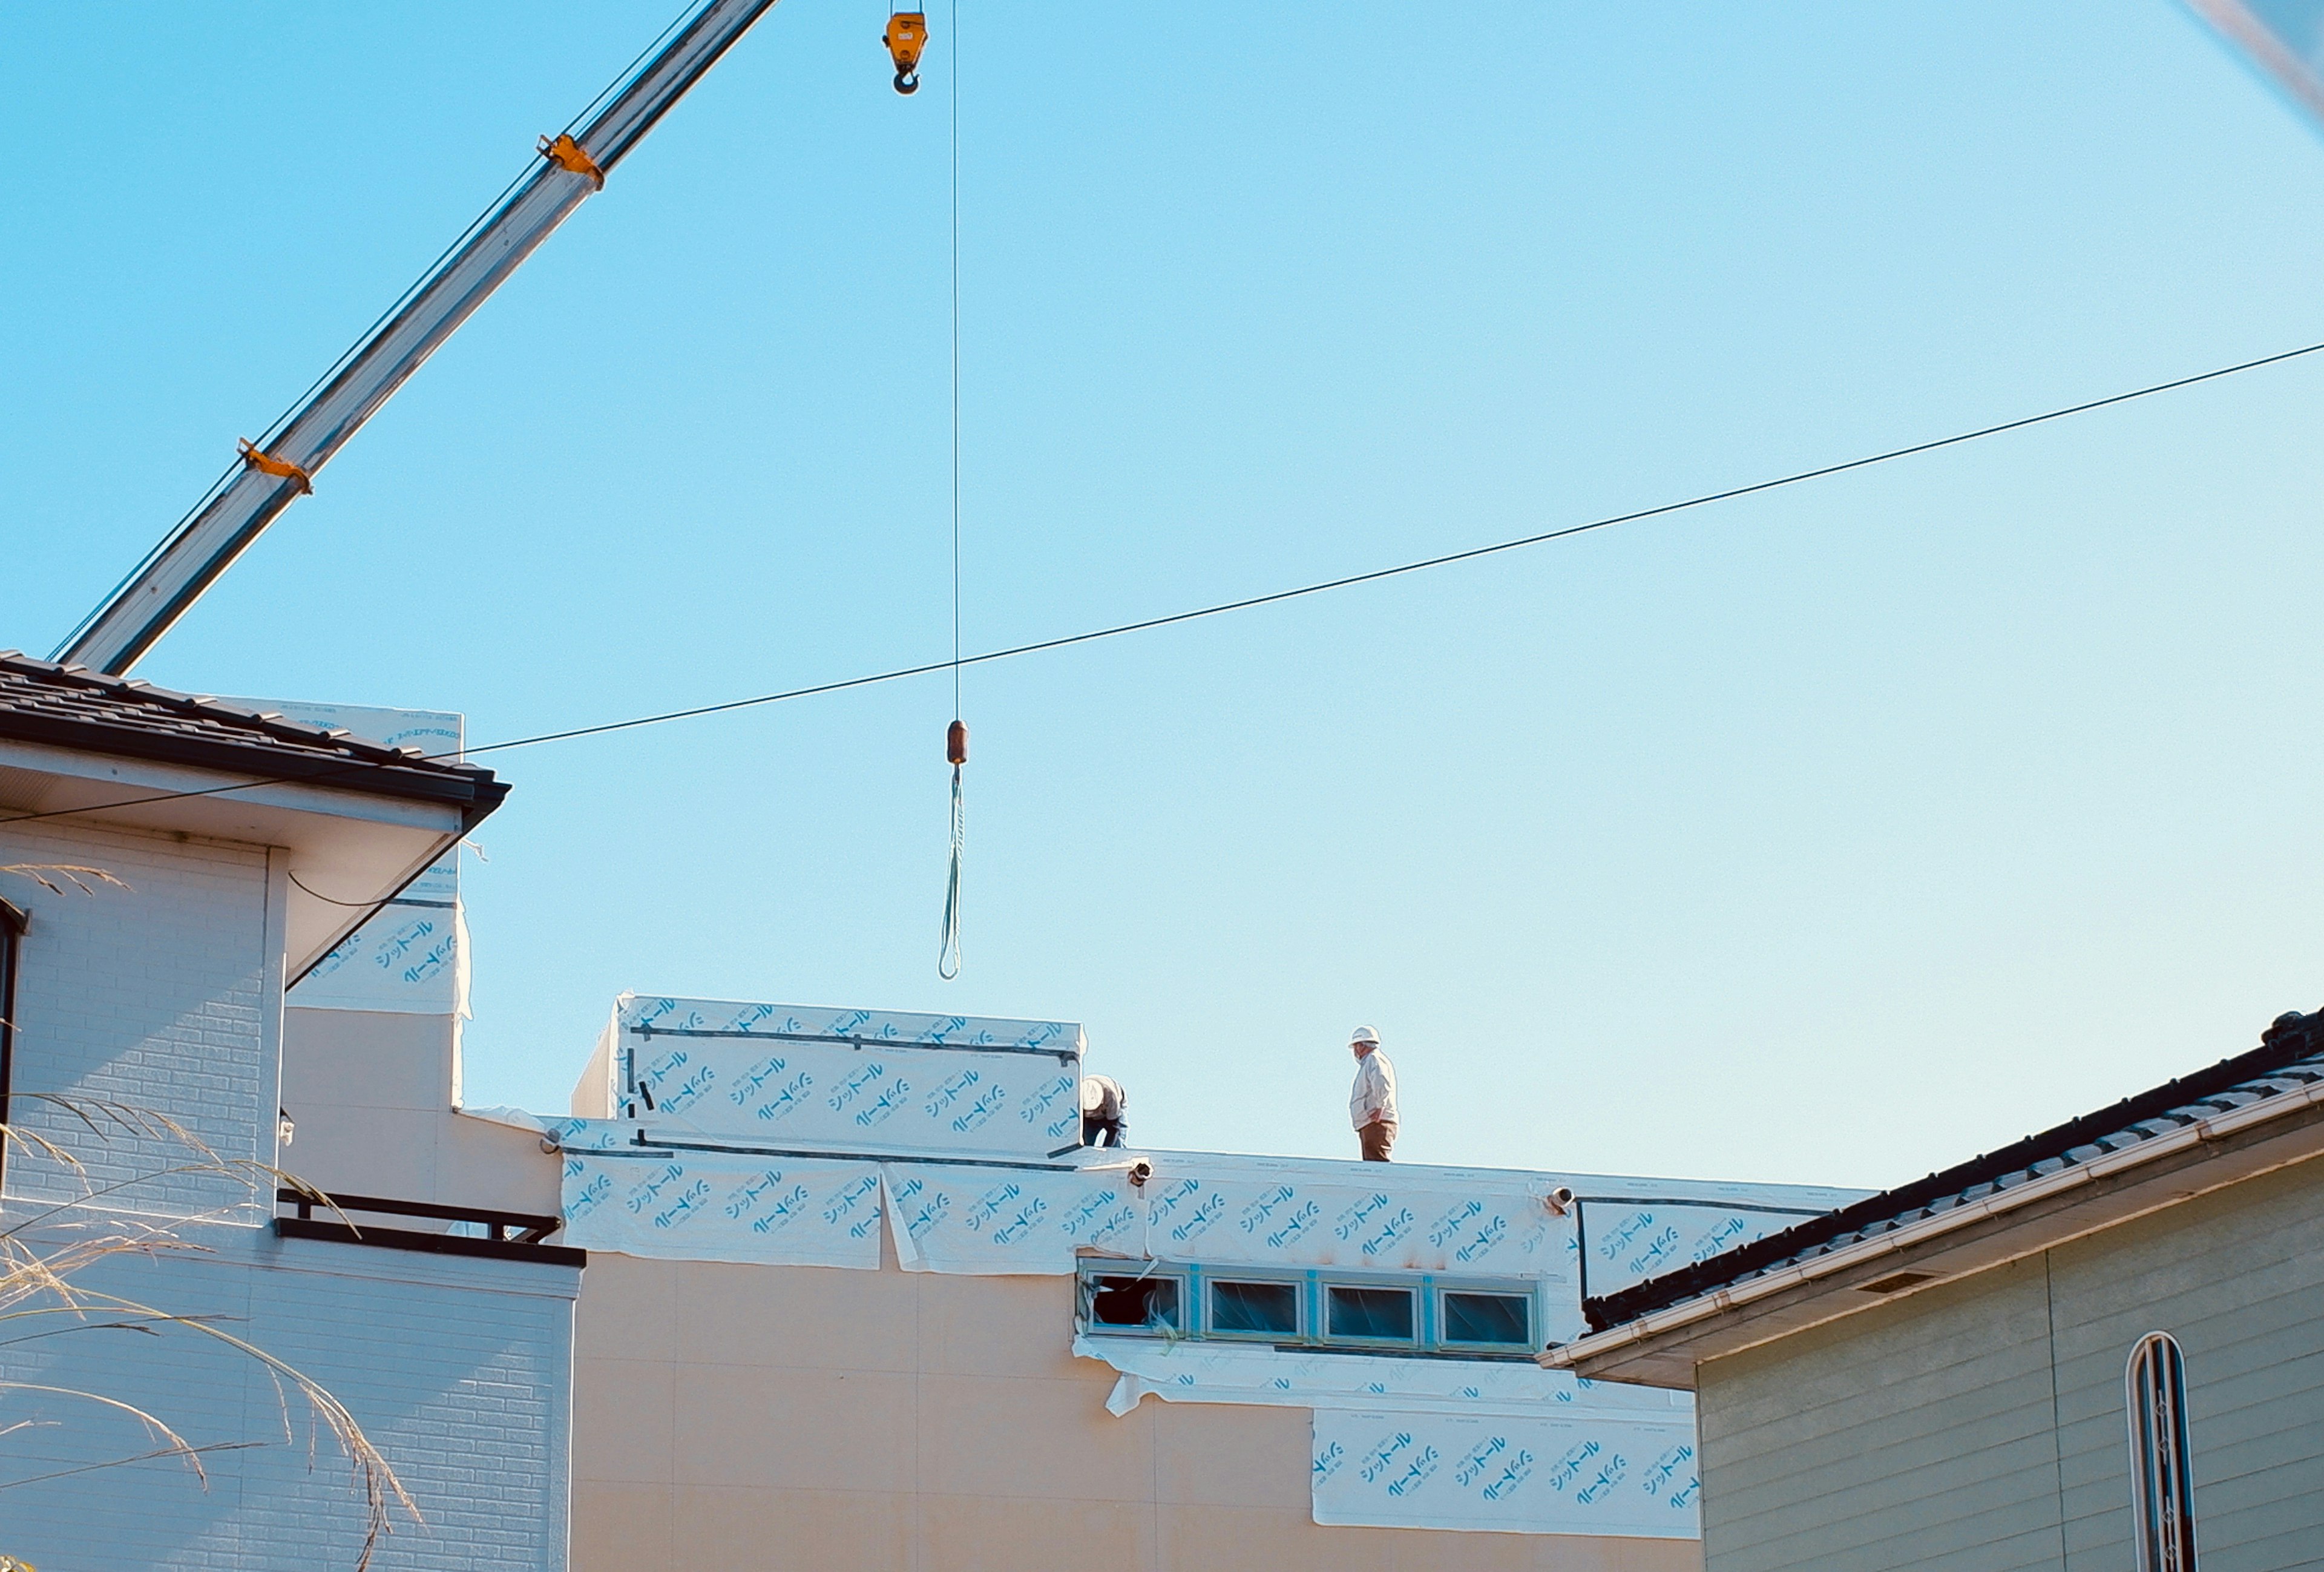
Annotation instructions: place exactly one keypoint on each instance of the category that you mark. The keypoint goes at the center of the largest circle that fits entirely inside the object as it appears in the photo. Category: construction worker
(1105, 1108)
(1371, 1103)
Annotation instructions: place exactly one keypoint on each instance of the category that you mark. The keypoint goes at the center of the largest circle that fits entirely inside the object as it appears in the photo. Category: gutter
(1691, 1312)
(473, 787)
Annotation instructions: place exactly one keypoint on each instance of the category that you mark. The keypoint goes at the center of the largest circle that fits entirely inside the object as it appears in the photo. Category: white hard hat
(1363, 1034)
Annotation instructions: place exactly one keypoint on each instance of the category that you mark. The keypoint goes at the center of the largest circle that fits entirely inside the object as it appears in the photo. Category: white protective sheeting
(674, 1203)
(1184, 1371)
(1003, 1222)
(853, 1081)
(722, 1206)
(1034, 1218)
(1603, 1472)
(412, 958)
(1634, 1237)
(1280, 1212)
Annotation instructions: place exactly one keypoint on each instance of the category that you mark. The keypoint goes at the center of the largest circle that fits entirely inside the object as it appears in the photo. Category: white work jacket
(1373, 1099)
(1103, 1098)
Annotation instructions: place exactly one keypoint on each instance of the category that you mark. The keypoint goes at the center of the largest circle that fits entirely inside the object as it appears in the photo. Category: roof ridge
(209, 707)
(2291, 1047)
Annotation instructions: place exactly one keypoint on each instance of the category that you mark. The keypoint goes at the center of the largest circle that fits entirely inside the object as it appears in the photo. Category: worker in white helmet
(1371, 1103)
(1105, 1112)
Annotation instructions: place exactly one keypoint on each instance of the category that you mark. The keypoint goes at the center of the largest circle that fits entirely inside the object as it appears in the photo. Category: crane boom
(276, 472)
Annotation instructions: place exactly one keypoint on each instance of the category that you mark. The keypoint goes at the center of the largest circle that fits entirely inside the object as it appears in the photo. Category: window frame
(1312, 1289)
(1529, 1298)
(13, 926)
(2162, 1474)
(1414, 1289)
(1302, 1317)
(1094, 1272)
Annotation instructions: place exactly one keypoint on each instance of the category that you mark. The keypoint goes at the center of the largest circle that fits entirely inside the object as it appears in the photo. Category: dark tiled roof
(71, 707)
(2290, 1058)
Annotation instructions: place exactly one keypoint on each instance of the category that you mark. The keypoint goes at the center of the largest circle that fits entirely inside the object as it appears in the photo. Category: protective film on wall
(412, 957)
(1259, 1212)
(1181, 1370)
(1624, 1474)
(845, 1080)
(1005, 1222)
(1630, 1239)
(720, 1207)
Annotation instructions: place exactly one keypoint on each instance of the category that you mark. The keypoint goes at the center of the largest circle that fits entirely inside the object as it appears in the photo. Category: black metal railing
(507, 1235)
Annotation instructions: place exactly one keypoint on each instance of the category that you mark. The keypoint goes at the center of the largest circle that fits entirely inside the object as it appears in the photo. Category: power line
(1321, 586)
(1422, 565)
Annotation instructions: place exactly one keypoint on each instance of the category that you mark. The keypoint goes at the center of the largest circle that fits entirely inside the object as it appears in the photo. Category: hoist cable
(901, 673)
(956, 738)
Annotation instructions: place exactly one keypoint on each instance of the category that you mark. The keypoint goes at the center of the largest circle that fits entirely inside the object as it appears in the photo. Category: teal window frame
(1095, 1271)
(1328, 1336)
(1197, 1319)
(1301, 1320)
(1531, 1300)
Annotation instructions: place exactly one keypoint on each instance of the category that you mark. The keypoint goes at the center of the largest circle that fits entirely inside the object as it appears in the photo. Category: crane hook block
(566, 154)
(266, 463)
(907, 36)
(957, 744)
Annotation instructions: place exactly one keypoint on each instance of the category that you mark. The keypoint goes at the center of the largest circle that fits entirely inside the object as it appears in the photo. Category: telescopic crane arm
(282, 468)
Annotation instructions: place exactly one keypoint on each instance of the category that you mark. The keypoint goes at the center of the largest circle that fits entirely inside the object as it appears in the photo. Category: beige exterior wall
(732, 1417)
(371, 1093)
(1979, 1424)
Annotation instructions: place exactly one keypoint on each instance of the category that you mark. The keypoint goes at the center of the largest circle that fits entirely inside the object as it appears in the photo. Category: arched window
(2161, 1486)
(12, 934)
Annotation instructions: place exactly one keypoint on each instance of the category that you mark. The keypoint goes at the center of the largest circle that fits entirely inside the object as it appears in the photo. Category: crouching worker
(1371, 1101)
(1105, 1108)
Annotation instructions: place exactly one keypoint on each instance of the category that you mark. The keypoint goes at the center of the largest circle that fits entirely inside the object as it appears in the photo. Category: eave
(1664, 1347)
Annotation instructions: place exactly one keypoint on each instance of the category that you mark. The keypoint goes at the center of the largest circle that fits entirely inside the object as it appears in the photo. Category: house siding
(459, 1372)
(158, 998)
(1979, 1425)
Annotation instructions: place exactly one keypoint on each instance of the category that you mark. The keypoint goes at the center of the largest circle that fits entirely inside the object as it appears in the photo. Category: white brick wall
(460, 1370)
(159, 997)
(166, 997)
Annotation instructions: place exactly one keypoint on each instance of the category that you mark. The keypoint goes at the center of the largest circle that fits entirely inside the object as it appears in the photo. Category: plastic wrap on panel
(994, 1222)
(576, 1134)
(1624, 1474)
(846, 1080)
(1180, 1371)
(412, 957)
(1289, 1213)
(1630, 1240)
(687, 1205)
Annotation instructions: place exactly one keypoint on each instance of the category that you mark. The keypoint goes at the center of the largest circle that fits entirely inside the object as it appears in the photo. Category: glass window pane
(1271, 1307)
(1378, 1314)
(1134, 1301)
(1487, 1318)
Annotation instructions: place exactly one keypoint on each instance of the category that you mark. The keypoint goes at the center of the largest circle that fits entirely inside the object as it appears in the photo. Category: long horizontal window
(1391, 1314)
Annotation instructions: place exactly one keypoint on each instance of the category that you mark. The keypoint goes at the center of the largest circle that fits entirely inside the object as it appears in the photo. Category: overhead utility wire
(1321, 586)
(901, 673)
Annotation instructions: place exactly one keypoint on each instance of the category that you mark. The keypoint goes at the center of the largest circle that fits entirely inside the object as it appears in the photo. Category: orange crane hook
(907, 36)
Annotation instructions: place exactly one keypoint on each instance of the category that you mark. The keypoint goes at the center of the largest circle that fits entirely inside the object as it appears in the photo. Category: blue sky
(1829, 836)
